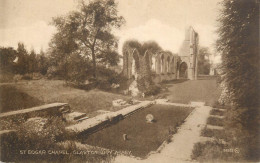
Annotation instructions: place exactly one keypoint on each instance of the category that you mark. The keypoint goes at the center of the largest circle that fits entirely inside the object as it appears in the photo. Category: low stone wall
(43, 110)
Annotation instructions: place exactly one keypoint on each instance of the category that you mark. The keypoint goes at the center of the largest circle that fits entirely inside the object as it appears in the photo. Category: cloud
(36, 35)
(207, 35)
(169, 38)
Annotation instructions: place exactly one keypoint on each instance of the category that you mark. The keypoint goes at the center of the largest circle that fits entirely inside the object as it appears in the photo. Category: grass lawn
(36, 92)
(143, 137)
(205, 90)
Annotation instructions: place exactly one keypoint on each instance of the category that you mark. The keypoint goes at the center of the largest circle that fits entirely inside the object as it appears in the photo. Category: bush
(215, 133)
(52, 72)
(17, 77)
(103, 85)
(6, 77)
(244, 134)
(209, 151)
(36, 76)
(215, 121)
(39, 135)
(217, 112)
(152, 90)
(50, 135)
(27, 77)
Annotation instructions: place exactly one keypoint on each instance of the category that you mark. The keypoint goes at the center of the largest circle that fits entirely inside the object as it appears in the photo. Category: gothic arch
(183, 70)
(168, 65)
(162, 64)
(173, 65)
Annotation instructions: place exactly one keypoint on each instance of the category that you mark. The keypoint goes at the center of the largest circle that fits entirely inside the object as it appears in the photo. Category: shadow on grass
(12, 99)
(207, 77)
(174, 81)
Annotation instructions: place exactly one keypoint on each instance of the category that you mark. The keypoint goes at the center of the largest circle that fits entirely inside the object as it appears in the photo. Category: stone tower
(188, 54)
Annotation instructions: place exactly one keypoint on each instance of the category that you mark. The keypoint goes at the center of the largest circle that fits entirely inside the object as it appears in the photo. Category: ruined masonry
(166, 66)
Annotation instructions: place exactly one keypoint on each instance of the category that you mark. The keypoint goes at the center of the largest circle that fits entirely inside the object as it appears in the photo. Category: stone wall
(43, 110)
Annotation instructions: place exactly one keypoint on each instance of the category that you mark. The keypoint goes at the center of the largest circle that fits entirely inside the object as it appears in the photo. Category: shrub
(209, 151)
(218, 134)
(244, 134)
(27, 77)
(215, 121)
(6, 77)
(217, 112)
(30, 138)
(36, 76)
(103, 85)
(50, 136)
(152, 90)
(52, 72)
(17, 77)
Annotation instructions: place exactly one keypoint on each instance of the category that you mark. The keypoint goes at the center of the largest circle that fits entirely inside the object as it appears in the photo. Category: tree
(42, 62)
(22, 63)
(203, 61)
(7, 56)
(88, 31)
(239, 46)
(32, 62)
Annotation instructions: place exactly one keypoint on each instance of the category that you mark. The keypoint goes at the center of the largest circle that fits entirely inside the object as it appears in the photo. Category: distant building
(168, 66)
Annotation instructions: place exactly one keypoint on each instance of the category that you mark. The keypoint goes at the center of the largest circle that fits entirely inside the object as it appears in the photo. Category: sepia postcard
(129, 81)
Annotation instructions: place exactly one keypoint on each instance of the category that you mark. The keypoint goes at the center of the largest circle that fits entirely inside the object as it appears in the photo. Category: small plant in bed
(215, 121)
(215, 133)
(217, 112)
(152, 90)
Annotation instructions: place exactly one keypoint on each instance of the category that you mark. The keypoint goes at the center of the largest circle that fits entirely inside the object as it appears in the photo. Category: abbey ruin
(164, 65)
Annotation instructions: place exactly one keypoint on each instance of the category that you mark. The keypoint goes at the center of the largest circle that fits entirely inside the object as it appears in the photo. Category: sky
(163, 21)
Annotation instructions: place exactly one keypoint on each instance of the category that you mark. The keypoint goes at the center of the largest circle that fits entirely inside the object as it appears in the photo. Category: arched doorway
(183, 71)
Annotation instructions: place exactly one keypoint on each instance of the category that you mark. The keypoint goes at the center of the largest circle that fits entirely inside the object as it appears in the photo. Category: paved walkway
(180, 149)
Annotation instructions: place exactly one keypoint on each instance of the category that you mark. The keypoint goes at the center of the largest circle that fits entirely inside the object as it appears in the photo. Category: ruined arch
(183, 70)
(153, 63)
(162, 64)
(172, 65)
(168, 69)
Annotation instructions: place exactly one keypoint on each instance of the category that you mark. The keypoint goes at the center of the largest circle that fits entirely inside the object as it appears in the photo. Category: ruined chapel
(168, 66)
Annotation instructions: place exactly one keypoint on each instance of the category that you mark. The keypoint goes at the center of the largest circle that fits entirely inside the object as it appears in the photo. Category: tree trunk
(94, 63)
